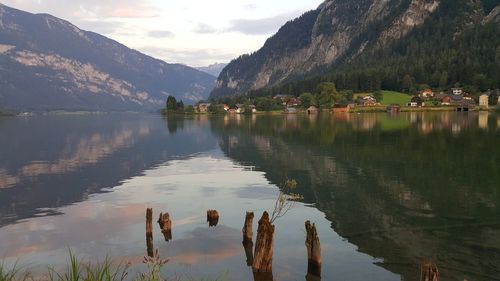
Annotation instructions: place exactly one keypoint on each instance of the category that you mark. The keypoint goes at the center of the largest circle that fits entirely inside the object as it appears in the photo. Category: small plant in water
(286, 199)
(154, 264)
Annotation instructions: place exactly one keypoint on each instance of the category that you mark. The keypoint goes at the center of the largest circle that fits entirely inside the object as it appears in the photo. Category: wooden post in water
(248, 237)
(429, 272)
(310, 277)
(149, 231)
(247, 227)
(263, 256)
(313, 250)
(165, 225)
(263, 276)
(212, 218)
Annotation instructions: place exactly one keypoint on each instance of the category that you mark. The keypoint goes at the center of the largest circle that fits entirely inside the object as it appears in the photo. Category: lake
(387, 192)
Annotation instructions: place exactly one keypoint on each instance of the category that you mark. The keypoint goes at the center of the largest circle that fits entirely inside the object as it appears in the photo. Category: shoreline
(374, 109)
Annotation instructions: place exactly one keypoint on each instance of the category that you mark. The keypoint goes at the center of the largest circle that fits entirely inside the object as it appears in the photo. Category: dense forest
(453, 48)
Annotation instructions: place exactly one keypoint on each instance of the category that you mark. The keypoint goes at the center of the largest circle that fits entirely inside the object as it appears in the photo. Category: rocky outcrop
(332, 36)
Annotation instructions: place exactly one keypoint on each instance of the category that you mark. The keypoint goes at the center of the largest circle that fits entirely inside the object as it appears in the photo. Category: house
(468, 98)
(457, 91)
(484, 100)
(226, 107)
(283, 99)
(446, 100)
(232, 111)
(293, 102)
(203, 107)
(366, 101)
(343, 109)
(253, 108)
(416, 101)
(291, 110)
(312, 110)
(240, 108)
(426, 94)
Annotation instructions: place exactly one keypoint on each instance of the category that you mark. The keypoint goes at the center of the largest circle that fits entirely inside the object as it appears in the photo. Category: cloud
(133, 12)
(90, 8)
(261, 26)
(192, 57)
(251, 6)
(101, 27)
(160, 33)
(204, 28)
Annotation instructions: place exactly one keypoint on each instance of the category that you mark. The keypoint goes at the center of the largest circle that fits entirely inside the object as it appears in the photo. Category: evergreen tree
(171, 103)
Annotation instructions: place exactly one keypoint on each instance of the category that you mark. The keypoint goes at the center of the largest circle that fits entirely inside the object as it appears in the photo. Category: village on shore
(455, 99)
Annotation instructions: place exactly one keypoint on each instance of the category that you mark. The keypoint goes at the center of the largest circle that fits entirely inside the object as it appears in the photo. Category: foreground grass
(78, 270)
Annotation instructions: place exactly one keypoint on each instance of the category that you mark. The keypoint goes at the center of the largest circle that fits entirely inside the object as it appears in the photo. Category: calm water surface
(386, 192)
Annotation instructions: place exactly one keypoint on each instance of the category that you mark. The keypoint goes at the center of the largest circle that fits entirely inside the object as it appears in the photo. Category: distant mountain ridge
(213, 69)
(47, 63)
(375, 40)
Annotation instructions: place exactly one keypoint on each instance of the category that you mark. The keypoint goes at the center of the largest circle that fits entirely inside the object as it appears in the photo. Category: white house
(483, 100)
(457, 91)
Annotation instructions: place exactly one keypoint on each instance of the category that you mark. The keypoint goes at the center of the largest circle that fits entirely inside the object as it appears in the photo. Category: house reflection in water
(483, 119)
(384, 190)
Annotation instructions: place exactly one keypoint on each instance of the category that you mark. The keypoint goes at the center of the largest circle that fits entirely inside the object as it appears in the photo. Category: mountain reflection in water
(406, 188)
(396, 190)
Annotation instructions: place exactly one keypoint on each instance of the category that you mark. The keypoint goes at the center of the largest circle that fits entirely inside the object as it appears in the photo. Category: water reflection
(401, 188)
(407, 188)
(51, 161)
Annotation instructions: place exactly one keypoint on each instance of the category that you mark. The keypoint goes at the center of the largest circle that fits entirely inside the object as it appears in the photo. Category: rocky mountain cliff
(47, 63)
(342, 32)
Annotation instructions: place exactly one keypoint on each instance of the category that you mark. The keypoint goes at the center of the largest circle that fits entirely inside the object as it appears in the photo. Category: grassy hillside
(391, 97)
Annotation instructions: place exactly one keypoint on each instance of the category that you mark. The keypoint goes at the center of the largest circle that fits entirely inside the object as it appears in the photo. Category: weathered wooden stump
(149, 244)
(247, 227)
(165, 226)
(248, 237)
(313, 250)
(212, 218)
(263, 276)
(149, 231)
(248, 246)
(429, 272)
(311, 277)
(149, 220)
(263, 256)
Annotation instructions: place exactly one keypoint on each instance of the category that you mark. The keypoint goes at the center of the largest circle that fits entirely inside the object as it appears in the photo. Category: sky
(191, 32)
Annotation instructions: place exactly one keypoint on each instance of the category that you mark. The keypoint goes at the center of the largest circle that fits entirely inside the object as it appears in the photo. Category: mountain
(213, 69)
(47, 63)
(370, 44)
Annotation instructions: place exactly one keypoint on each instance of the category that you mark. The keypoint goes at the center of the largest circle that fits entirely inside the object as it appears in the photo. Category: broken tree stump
(248, 246)
(149, 244)
(263, 255)
(263, 276)
(149, 220)
(311, 277)
(212, 218)
(429, 272)
(165, 226)
(248, 237)
(149, 231)
(247, 227)
(313, 250)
